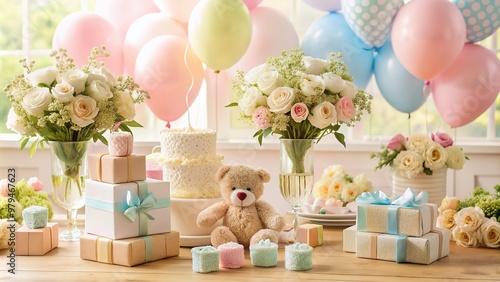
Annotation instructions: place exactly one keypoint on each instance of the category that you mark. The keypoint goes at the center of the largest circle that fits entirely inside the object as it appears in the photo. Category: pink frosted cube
(232, 255)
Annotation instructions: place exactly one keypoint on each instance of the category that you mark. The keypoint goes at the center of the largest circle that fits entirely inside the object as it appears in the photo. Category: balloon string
(190, 86)
(409, 124)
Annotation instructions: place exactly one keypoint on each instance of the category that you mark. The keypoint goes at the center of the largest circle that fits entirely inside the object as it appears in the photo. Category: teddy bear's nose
(242, 196)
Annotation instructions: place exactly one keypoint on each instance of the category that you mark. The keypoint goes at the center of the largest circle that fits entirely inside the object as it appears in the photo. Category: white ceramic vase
(434, 184)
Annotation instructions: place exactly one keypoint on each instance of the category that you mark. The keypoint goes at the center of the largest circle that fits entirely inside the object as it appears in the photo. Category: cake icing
(190, 162)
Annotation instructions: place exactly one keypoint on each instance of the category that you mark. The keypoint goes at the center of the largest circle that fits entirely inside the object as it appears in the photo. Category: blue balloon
(331, 33)
(401, 89)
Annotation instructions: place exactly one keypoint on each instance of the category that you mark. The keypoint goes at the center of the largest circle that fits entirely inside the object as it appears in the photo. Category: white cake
(190, 162)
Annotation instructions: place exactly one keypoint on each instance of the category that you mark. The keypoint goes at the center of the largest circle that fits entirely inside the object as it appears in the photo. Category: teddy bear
(247, 220)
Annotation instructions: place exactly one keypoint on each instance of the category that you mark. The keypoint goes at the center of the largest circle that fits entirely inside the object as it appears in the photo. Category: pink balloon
(325, 5)
(81, 31)
(468, 87)
(176, 10)
(427, 36)
(160, 69)
(122, 13)
(144, 29)
(282, 35)
(252, 3)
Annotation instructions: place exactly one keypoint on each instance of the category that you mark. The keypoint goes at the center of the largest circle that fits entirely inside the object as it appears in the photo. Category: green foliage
(27, 196)
(488, 202)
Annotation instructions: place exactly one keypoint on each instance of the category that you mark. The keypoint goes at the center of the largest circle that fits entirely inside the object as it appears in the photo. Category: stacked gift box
(127, 216)
(37, 236)
(401, 230)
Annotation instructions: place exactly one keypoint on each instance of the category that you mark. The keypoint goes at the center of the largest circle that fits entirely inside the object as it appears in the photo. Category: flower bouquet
(473, 222)
(336, 189)
(299, 97)
(65, 103)
(409, 157)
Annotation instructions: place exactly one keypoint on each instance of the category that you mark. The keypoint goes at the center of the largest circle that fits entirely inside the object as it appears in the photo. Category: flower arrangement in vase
(67, 106)
(473, 222)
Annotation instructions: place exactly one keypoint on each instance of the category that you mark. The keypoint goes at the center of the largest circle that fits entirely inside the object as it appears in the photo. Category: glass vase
(69, 171)
(296, 174)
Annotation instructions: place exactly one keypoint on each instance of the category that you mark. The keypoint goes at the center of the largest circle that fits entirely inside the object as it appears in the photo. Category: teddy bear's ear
(221, 172)
(264, 175)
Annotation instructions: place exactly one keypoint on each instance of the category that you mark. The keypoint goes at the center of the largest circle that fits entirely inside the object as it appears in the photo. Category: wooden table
(330, 263)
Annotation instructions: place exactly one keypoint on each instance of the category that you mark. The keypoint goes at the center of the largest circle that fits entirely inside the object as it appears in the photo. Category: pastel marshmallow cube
(120, 144)
(232, 255)
(311, 234)
(298, 257)
(36, 216)
(205, 259)
(264, 253)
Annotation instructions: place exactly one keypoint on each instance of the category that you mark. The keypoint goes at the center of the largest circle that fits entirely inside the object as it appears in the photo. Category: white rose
(350, 90)
(99, 90)
(323, 115)
(364, 185)
(336, 187)
(314, 65)
(76, 78)
(465, 238)
(268, 81)
(418, 143)
(312, 85)
(490, 233)
(281, 99)
(333, 82)
(43, 76)
(253, 75)
(349, 193)
(446, 219)
(14, 122)
(103, 74)
(435, 156)
(125, 105)
(333, 171)
(456, 157)
(408, 164)
(83, 110)
(63, 92)
(321, 188)
(469, 219)
(252, 99)
(37, 101)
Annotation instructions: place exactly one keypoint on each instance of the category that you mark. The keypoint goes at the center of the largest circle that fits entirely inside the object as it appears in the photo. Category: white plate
(350, 216)
(335, 223)
(194, 241)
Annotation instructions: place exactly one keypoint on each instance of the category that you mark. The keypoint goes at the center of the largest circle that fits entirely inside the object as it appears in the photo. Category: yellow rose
(418, 143)
(435, 156)
(408, 164)
(490, 233)
(465, 238)
(321, 189)
(446, 219)
(456, 157)
(349, 193)
(469, 219)
(448, 203)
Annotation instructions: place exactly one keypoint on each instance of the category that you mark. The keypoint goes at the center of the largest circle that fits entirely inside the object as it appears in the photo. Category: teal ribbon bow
(408, 200)
(139, 206)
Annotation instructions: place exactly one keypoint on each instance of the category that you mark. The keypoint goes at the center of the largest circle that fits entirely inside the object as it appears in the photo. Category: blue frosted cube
(36, 216)
(205, 259)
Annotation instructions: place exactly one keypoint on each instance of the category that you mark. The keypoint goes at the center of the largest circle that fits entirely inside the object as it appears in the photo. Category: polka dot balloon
(371, 20)
(482, 17)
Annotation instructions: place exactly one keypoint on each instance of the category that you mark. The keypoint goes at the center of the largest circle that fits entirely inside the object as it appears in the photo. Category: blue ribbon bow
(409, 199)
(139, 206)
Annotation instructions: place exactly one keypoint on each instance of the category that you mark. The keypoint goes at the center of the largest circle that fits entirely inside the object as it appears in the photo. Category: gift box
(131, 251)
(111, 169)
(311, 234)
(400, 248)
(127, 210)
(38, 241)
(408, 215)
(349, 239)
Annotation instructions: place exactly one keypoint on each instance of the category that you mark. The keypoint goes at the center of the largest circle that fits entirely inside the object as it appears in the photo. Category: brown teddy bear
(246, 219)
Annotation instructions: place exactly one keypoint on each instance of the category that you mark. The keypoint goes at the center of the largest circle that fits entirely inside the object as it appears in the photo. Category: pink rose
(262, 117)
(4, 187)
(397, 142)
(442, 139)
(35, 183)
(345, 109)
(299, 112)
